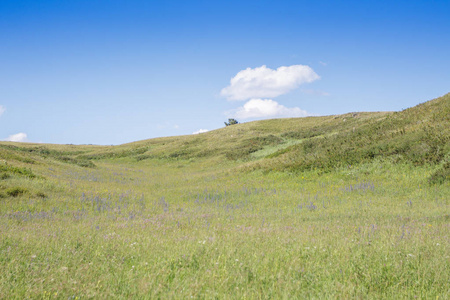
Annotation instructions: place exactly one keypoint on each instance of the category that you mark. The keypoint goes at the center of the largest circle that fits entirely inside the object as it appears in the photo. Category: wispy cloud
(266, 108)
(200, 131)
(264, 82)
(18, 137)
(2, 109)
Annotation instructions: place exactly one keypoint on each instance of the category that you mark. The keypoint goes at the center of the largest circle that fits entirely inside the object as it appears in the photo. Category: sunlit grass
(233, 214)
(170, 229)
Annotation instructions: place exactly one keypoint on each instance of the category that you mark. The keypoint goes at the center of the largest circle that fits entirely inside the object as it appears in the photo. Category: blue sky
(111, 72)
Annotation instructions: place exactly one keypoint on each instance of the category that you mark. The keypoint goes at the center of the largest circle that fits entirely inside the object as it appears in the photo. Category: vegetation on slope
(45, 152)
(418, 135)
(328, 207)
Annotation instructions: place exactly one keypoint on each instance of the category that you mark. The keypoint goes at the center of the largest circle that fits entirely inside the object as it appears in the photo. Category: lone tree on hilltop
(231, 122)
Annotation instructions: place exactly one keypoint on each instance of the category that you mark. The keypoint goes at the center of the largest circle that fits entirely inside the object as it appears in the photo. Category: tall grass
(147, 223)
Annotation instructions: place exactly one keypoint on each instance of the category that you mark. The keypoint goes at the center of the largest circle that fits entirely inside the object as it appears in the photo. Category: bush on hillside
(6, 170)
(441, 175)
(15, 191)
(231, 122)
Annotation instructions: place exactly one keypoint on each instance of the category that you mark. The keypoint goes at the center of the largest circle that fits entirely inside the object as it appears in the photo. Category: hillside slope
(348, 206)
(417, 135)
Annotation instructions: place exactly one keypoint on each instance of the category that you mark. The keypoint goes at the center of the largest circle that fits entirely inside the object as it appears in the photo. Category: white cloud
(200, 131)
(264, 82)
(2, 109)
(18, 137)
(266, 108)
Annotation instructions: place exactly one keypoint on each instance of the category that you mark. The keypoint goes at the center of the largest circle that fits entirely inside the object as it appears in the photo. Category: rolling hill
(418, 135)
(349, 206)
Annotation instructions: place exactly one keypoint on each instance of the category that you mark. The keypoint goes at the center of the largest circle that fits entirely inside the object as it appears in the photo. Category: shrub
(4, 176)
(15, 191)
(231, 122)
(41, 195)
(7, 169)
(441, 175)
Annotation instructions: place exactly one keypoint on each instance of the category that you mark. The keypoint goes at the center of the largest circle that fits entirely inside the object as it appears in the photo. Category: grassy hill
(353, 205)
(418, 135)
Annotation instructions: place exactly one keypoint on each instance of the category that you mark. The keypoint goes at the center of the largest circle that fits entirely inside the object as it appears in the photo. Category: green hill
(418, 135)
(349, 206)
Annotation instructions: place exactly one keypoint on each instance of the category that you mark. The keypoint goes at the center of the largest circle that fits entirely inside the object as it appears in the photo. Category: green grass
(253, 210)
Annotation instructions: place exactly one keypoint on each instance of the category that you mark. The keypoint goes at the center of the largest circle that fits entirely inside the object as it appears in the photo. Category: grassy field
(349, 206)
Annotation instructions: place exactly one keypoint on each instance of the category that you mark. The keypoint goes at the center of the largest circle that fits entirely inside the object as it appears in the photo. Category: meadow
(350, 206)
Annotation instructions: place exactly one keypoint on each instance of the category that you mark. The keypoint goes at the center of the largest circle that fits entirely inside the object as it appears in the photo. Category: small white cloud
(264, 82)
(323, 63)
(176, 126)
(200, 131)
(18, 137)
(2, 109)
(266, 108)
